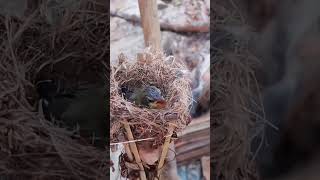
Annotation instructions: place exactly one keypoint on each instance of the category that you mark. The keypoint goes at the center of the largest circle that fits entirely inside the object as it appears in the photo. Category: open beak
(159, 104)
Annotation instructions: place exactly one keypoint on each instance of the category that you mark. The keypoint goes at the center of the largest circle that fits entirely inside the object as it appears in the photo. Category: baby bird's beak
(158, 104)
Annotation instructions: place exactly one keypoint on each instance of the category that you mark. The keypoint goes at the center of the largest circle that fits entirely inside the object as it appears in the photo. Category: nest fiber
(30, 146)
(150, 68)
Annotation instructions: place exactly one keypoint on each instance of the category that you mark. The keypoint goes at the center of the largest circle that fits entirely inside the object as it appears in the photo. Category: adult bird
(145, 96)
(83, 107)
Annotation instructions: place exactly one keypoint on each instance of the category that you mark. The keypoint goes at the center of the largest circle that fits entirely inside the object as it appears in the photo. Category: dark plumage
(146, 96)
(84, 107)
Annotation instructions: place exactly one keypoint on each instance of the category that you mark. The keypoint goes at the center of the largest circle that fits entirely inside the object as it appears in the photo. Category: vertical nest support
(166, 73)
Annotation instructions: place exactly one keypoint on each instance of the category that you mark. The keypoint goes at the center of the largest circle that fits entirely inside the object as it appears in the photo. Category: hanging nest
(150, 68)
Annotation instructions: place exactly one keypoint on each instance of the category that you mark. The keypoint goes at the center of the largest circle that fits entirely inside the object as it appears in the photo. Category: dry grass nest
(236, 107)
(151, 68)
(30, 146)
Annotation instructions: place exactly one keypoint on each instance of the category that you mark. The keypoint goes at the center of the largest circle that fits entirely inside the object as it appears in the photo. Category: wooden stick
(128, 152)
(165, 149)
(152, 37)
(150, 23)
(135, 151)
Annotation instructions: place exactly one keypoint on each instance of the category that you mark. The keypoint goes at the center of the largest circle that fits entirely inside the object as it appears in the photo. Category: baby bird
(146, 96)
(84, 107)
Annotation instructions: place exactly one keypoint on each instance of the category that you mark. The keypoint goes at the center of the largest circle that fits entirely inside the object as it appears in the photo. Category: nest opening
(138, 84)
(156, 69)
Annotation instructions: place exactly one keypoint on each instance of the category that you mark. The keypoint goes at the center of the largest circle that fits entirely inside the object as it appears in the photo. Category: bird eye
(149, 98)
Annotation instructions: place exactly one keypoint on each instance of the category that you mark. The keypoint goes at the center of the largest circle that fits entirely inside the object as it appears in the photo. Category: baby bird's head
(154, 98)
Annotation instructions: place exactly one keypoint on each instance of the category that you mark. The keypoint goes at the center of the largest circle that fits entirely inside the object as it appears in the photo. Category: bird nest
(30, 146)
(150, 68)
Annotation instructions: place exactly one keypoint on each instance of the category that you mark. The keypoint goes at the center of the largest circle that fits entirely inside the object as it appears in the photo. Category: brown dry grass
(30, 146)
(235, 100)
(165, 73)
